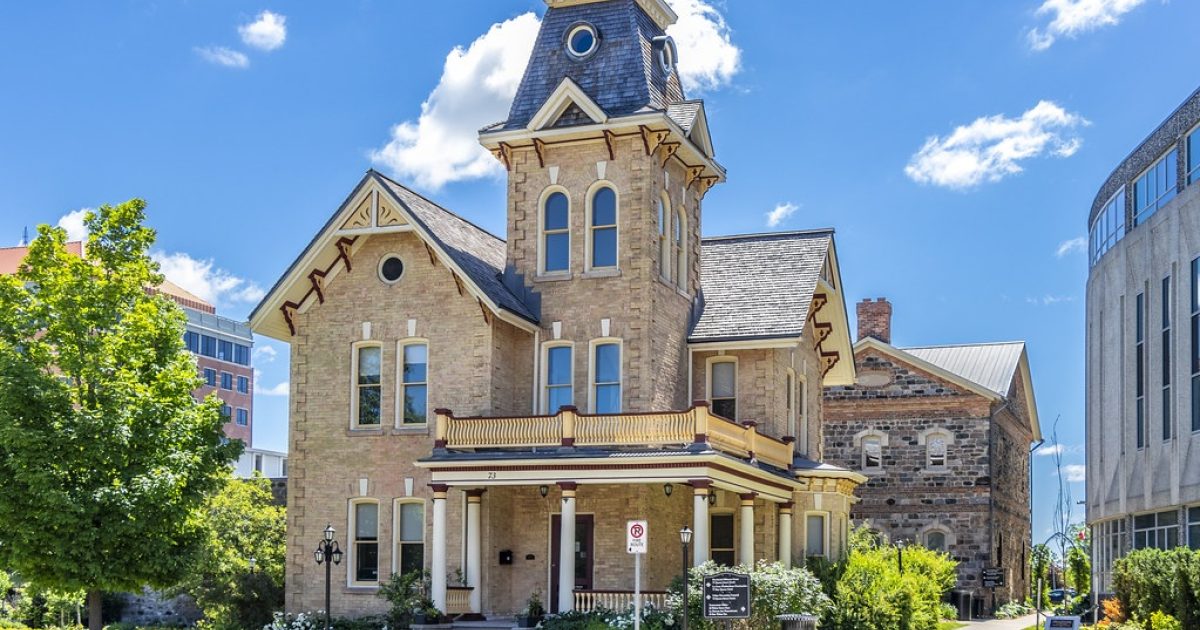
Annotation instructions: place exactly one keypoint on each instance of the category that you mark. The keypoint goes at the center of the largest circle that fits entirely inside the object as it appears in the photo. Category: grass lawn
(951, 625)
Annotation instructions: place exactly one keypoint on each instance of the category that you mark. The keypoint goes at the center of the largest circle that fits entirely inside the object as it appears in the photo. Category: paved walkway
(1002, 624)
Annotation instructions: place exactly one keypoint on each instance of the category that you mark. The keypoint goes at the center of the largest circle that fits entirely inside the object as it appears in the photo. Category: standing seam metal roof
(990, 365)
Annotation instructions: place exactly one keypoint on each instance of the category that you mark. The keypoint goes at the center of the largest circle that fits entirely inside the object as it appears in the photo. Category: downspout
(1029, 480)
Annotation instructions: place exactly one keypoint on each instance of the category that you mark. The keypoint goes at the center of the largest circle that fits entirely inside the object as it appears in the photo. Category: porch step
(498, 622)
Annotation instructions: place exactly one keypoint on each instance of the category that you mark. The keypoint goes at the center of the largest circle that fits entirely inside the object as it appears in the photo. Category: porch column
(785, 535)
(701, 488)
(566, 548)
(474, 550)
(746, 546)
(437, 563)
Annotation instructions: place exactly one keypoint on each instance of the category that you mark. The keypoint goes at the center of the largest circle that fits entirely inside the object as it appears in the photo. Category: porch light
(712, 497)
(668, 489)
(543, 490)
(685, 535)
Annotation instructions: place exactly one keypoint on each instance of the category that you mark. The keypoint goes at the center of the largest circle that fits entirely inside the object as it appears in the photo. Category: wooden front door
(584, 529)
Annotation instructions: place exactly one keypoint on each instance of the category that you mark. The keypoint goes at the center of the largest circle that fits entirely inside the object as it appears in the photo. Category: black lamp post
(685, 537)
(900, 555)
(329, 554)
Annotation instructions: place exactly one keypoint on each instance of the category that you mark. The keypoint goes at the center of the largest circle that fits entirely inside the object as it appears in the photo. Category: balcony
(689, 429)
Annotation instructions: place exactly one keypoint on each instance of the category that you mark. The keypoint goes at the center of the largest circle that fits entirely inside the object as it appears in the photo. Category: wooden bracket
(669, 149)
(457, 283)
(609, 139)
(706, 183)
(317, 278)
(487, 316)
(343, 245)
(822, 331)
(289, 309)
(539, 147)
(651, 139)
(818, 302)
(692, 175)
(828, 360)
(432, 257)
(506, 152)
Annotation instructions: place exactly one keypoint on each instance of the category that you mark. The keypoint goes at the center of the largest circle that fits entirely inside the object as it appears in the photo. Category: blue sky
(955, 147)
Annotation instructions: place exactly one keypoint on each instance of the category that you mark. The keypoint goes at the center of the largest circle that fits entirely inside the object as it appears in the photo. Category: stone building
(1143, 348)
(943, 435)
(496, 410)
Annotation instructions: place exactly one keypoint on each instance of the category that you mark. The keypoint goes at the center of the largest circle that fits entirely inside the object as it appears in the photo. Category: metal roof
(990, 365)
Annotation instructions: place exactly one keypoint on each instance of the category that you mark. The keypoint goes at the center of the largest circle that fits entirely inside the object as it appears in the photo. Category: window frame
(824, 516)
(353, 552)
(732, 515)
(210, 382)
(355, 386)
(243, 384)
(803, 422)
(227, 377)
(544, 393)
(242, 417)
(1191, 174)
(664, 221)
(1168, 359)
(396, 529)
(401, 386)
(925, 438)
(860, 443)
(593, 347)
(679, 247)
(1140, 370)
(543, 233)
(790, 399)
(1195, 343)
(1108, 228)
(709, 364)
(590, 245)
(1143, 214)
(1158, 531)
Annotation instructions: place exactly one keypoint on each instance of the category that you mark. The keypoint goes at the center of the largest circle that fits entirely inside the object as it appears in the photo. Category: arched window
(603, 228)
(605, 391)
(872, 453)
(935, 540)
(413, 386)
(556, 233)
(937, 444)
(409, 532)
(365, 401)
(558, 379)
(678, 239)
(664, 247)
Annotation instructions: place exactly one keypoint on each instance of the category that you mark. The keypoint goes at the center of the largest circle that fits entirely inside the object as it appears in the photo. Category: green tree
(1039, 575)
(238, 578)
(1079, 569)
(106, 457)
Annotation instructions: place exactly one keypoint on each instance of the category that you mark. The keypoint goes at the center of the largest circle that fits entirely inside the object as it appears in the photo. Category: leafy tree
(1039, 569)
(1079, 569)
(106, 457)
(243, 523)
(873, 593)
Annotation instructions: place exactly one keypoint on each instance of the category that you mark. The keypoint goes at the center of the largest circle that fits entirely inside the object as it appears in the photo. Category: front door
(583, 555)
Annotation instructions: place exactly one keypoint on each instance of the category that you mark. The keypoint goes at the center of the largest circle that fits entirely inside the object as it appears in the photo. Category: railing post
(567, 415)
(442, 430)
(700, 421)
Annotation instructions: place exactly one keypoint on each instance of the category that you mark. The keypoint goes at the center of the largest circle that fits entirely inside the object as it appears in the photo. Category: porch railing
(587, 601)
(458, 600)
(568, 427)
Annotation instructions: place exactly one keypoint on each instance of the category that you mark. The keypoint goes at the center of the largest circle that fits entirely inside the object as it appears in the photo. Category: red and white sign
(635, 536)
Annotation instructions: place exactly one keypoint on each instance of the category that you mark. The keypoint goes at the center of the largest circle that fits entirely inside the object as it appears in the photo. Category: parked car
(1058, 595)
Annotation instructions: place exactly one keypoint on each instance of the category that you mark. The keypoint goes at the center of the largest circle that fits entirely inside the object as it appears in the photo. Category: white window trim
(379, 268)
(708, 374)
(923, 440)
(398, 419)
(544, 378)
(620, 343)
(681, 257)
(354, 350)
(803, 423)
(665, 260)
(541, 232)
(825, 519)
(352, 537)
(792, 394)
(396, 530)
(587, 256)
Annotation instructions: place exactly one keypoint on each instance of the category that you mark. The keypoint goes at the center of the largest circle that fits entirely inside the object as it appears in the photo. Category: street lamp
(900, 555)
(329, 554)
(253, 564)
(685, 537)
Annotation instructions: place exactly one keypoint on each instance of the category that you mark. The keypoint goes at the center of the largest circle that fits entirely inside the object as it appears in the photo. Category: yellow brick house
(495, 410)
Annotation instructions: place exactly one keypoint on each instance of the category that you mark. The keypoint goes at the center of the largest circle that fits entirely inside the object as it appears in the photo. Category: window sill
(552, 277)
(602, 273)
(411, 429)
(364, 431)
(878, 472)
(360, 589)
(935, 471)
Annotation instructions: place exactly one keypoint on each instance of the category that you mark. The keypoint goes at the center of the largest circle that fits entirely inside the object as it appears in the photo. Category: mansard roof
(622, 76)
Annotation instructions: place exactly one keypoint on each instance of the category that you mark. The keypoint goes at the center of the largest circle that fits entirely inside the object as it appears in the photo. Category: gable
(884, 375)
(570, 104)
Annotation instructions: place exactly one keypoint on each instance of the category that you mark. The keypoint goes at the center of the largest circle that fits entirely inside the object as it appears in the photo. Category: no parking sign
(635, 536)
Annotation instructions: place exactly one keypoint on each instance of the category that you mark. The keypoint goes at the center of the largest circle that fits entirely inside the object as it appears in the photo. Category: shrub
(873, 594)
(652, 619)
(408, 594)
(774, 591)
(11, 624)
(1152, 580)
(1012, 610)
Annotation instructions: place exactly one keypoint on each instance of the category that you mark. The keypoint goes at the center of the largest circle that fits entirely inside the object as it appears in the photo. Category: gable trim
(566, 94)
(900, 355)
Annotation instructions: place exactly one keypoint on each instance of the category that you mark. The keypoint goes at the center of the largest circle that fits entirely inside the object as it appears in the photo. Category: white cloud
(206, 280)
(708, 59)
(1050, 449)
(278, 390)
(1070, 246)
(1075, 472)
(1073, 17)
(266, 33)
(990, 148)
(781, 213)
(223, 56)
(72, 222)
(1049, 300)
(264, 354)
(478, 84)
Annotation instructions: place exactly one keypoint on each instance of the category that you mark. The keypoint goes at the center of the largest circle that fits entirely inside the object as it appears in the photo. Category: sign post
(726, 596)
(635, 543)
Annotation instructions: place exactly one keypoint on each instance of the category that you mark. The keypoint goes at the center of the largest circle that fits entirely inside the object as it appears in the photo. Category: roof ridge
(963, 345)
(438, 206)
(730, 237)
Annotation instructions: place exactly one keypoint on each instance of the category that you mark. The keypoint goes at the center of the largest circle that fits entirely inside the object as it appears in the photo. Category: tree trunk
(95, 612)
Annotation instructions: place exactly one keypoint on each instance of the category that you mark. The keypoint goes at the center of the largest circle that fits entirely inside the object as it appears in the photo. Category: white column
(474, 550)
(746, 547)
(437, 565)
(785, 535)
(566, 549)
(700, 521)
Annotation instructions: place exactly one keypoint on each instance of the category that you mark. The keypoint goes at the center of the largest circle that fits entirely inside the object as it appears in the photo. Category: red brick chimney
(875, 319)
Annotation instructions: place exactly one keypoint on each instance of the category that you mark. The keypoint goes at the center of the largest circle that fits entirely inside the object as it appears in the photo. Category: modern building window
(721, 537)
(559, 390)
(1193, 156)
(1155, 187)
(241, 354)
(1195, 310)
(410, 536)
(243, 417)
(368, 361)
(1166, 359)
(1159, 530)
(365, 546)
(556, 233)
(1140, 371)
(226, 381)
(664, 231)
(1194, 527)
(258, 462)
(603, 228)
(414, 383)
(723, 388)
(283, 467)
(192, 341)
(1108, 227)
(606, 377)
(225, 350)
(243, 385)
(814, 535)
(935, 540)
(872, 454)
(210, 377)
(678, 234)
(208, 346)
(226, 413)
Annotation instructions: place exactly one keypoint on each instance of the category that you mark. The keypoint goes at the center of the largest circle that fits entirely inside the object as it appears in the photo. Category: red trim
(568, 485)
(552, 468)
(439, 487)
(748, 496)
(475, 492)
(439, 444)
(568, 441)
(701, 483)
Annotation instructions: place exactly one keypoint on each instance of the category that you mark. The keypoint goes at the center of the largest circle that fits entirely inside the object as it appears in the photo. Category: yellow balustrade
(647, 429)
(458, 600)
(587, 601)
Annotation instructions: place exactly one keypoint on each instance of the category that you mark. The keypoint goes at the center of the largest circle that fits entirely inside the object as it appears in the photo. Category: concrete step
(498, 622)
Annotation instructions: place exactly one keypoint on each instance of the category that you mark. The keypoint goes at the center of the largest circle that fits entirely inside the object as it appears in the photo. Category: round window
(391, 268)
(666, 55)
(581, 40)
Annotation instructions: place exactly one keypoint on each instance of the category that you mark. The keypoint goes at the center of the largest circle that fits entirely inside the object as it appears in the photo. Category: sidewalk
(1002, 624)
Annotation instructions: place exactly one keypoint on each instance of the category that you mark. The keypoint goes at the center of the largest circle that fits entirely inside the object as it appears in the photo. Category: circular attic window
(391, 268)
(874, 378)
(582, 40)
(667, 56)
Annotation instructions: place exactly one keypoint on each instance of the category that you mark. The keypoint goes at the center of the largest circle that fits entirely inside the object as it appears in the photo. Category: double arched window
(672, 236)
(602, 228)
(679, 249)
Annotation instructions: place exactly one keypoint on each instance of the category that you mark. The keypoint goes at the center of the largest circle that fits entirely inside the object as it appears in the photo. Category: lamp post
(900, 555)
(685, 537)
(329, 554)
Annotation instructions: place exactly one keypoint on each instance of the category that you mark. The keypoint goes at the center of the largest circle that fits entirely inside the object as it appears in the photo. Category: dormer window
(582, 40)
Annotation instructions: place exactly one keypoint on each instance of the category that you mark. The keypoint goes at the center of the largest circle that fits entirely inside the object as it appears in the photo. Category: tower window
(604, 228)
(556, 234)
(391, 268)
(582, 40)
(606, 378)
(664, 253)
(558, 392)
(680, 252)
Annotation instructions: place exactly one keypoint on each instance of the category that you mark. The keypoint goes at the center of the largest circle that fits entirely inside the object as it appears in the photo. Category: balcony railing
(568, 427)
(618, 601)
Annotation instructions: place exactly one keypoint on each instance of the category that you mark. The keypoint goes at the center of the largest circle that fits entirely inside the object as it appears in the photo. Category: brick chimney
(875, 319)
